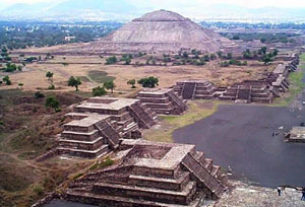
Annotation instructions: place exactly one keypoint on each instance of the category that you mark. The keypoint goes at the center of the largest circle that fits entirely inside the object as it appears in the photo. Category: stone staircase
(107, 131)
(206, 173)
(188, 90)
(244, 94)
(143, 116)
(179, 104)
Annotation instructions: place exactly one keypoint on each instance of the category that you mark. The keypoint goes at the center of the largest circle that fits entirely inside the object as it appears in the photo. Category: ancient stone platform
(163, 101)
(99, 124)
(297, 134)
(152, 174)
(195, 89)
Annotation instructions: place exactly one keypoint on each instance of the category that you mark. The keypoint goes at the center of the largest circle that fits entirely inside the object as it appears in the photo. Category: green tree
(52, 102)
(50, 76)
(132, 83)
(99, 91)
(220, 53)
(109, 85)
(262, 51)
(111, 60)
(149, 82)
(7, 80)
(213, 57)
(266, 59)
(229, 56)
(74, 82)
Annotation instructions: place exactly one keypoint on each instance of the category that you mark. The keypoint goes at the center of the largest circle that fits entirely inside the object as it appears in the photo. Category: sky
(191, 3)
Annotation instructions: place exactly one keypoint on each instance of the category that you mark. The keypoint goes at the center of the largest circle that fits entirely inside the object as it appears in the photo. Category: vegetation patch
(297, 85)
(102, 164)
(84, 79)
(100, 76)
(197, 110)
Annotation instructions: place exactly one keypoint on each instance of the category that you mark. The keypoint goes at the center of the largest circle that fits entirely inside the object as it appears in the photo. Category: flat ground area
(240, 137)
(93, 72)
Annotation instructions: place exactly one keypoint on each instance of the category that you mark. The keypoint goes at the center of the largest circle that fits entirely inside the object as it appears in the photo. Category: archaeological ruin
(297, 134)
(172, 32)
(195, 89)
(98, 124)
(163, 101)
(260, 91)
(152, 174)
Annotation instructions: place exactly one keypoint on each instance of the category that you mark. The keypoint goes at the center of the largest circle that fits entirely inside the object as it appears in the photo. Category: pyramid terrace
(152, 174)
(163, 101)
(99, 124)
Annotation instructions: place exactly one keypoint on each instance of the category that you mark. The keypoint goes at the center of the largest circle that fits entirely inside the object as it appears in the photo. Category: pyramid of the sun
(158, 31)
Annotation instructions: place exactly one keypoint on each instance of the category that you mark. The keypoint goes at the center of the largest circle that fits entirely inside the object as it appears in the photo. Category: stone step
(90, 136)
(152, 194)
(130, 127)
(216, 171)
(209, 164)
(116, 201)
(161, 183)
(200, 157)
(82, 142)
(104, 149)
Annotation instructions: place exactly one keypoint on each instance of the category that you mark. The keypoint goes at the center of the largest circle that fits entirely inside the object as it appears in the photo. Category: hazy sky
(191, 3)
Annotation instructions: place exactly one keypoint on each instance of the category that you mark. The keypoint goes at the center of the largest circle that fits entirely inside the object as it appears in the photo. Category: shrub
(109, 85)
(99, 91)
(149, 82)
(111, 60)
(39, 95)
(132, 83)
(52, 102)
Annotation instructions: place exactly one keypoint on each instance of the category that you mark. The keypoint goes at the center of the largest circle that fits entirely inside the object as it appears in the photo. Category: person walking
(303, 194)
(279, 191)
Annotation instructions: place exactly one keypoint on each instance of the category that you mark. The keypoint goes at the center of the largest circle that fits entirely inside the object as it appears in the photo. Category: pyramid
(156, 32)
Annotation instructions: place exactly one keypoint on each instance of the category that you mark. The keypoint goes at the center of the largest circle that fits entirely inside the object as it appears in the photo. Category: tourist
(303, 194)
(279, 190)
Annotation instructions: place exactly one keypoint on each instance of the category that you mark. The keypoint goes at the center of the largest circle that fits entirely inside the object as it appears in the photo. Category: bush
(51, 87)
(111, 60)
(38, 190)
(99, 91)
(38, 95)
(52, 102)
(149, 82)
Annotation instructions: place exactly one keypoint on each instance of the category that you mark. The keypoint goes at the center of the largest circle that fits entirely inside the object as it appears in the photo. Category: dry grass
(34, 78)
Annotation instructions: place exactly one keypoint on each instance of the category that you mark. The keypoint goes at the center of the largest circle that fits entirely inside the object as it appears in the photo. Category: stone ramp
(109, 132)
(207, 174)
(177, 102)
(144, 118)
(244, 93)
(188, 90)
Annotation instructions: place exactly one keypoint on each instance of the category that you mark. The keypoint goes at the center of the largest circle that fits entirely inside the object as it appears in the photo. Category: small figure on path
(303, 194)
(279, 191)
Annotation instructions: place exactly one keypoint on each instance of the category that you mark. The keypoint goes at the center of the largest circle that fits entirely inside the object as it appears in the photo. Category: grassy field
(297, 85)
(197, 110)
(27, 130)
(100, 76)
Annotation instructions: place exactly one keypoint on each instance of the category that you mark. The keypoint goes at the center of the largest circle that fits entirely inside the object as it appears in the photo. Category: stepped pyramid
(159, 31)
(151, 174)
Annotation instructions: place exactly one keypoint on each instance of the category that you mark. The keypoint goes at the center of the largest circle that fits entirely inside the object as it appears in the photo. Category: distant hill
(70, 10)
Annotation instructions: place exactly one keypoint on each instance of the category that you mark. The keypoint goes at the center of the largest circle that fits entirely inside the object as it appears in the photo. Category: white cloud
(169, 4)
